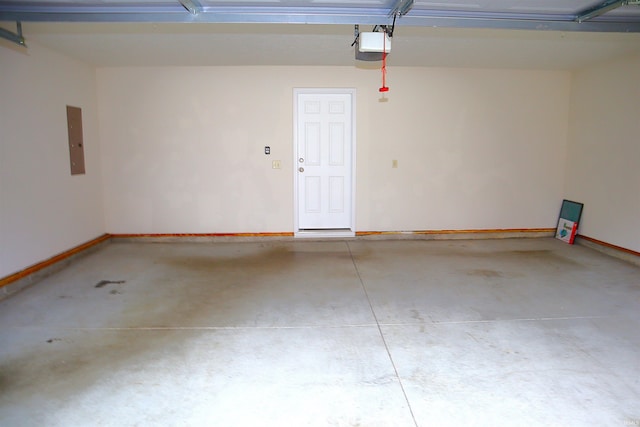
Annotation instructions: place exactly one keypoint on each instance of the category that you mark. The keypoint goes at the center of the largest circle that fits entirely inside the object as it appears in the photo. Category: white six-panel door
(324, 141)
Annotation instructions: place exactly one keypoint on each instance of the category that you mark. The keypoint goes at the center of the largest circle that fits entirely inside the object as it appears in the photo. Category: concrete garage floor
(342, 333)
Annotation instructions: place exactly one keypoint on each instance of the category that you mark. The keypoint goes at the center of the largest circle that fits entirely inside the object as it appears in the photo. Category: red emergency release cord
(384, 87)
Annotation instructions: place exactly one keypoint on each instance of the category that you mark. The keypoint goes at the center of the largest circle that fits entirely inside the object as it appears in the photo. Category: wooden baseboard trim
(4, 281)
(196, 235)
(609, 245)
(445, 232)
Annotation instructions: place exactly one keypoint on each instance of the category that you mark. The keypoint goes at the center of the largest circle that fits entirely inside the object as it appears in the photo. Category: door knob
(301, 160)
(301, 169)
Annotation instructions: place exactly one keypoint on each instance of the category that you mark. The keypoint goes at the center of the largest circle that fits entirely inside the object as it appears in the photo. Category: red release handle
(384, 87)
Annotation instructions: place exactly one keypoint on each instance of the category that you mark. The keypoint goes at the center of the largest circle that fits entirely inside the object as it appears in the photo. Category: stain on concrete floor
(103, 283)
(197, 287)
(188, 288)
(485, 273)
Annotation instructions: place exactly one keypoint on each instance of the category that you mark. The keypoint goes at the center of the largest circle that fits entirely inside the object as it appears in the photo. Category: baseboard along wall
(30, 275)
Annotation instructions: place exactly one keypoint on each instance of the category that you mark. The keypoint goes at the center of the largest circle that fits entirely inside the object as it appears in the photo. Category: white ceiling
(191, 44)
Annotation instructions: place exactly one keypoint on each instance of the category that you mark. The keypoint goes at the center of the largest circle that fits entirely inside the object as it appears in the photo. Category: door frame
(351, 232)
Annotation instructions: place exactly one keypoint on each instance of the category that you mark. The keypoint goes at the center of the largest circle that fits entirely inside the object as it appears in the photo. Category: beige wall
(603, 167)
(182, 150)
(43, 209)
(182, 147)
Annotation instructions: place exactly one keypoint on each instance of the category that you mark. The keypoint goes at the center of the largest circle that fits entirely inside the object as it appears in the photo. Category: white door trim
(351, 232)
